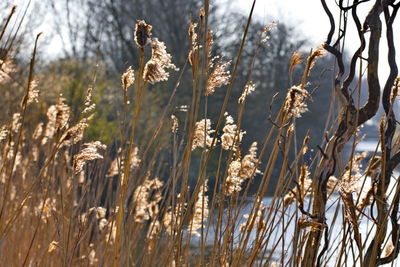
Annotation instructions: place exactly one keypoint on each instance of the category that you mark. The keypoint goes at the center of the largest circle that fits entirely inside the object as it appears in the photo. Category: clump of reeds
(69, 201)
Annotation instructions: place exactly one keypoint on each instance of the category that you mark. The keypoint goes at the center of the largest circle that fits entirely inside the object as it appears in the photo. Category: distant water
(335, 228)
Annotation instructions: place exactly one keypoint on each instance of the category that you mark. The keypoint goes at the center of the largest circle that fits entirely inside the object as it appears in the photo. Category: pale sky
(311, 20)
(294, 12)
(307, 15)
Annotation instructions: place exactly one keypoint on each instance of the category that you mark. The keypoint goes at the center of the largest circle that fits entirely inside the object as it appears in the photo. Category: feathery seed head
(118, 163)
(248, 89)
(146, 202)
(16, 122)
(155, 69)
(173, 217)
(267, 28)
(87, 154)
(142, 33)
(75, 134)
(305, 184)
(319, 51)
(174, 127)
(6, 68)
(100, 212)
(128, 78)
(295, 102)
(231, 139)
(295, 59)
(89, 106)
(33, 93)
(193, 42)
(200, 212)
(192, 34)
(249, 161)
(3, 133)
(58, 116)
(255, 220)
(395, 90)
(202, 13)
(209, 42)
(38, 131)
(218, 77)
(202, 131)
(240, 170)
(46, 208)
(233, 182)
(52, 246)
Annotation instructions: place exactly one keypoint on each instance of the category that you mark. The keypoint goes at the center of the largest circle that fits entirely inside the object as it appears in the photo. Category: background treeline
(97, 45)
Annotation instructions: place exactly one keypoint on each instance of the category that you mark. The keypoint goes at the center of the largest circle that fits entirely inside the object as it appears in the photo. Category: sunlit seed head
(248, 89)
(175, 126)
(160, 61)
(128, 78)
(142, 33)
(218, 77)
(88, 153)
(231, 138)
(33, 93)
(202, 132)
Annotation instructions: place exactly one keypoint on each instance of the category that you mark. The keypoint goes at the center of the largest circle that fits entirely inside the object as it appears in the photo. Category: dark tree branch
(331, 20)
(373, 23)
(347, 8)
(357, 54)
(391, 56)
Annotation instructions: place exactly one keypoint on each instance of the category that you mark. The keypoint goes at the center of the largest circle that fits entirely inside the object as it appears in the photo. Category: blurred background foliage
(89, 43)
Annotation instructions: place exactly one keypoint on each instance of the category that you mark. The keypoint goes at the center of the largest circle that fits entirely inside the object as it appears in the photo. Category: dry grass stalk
(173, 217)
(256, 221)
(118, 163)
(76, 218)
(305, 183)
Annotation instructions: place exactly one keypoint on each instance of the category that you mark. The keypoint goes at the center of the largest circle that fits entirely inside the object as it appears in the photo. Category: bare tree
(350, 119)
